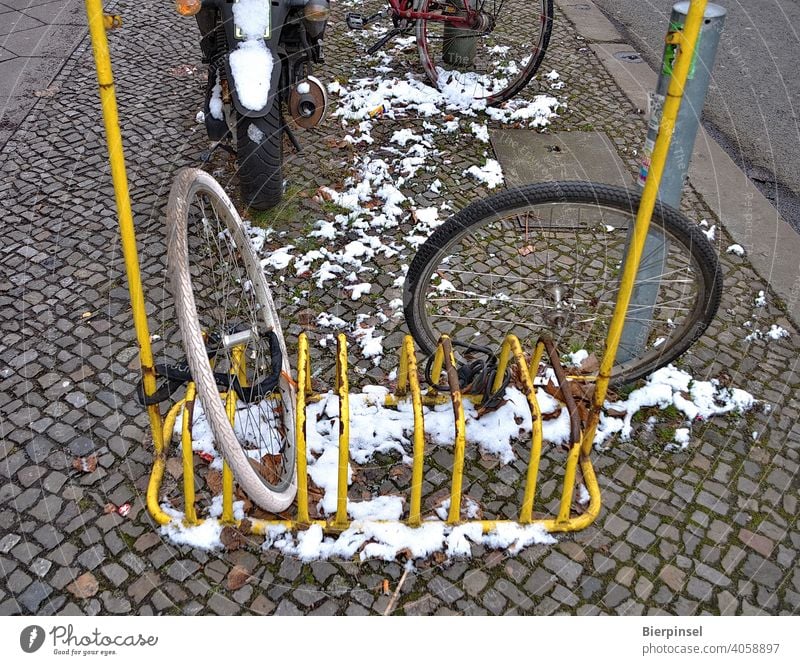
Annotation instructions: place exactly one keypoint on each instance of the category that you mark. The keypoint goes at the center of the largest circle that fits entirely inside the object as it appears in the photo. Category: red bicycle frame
(404, 9)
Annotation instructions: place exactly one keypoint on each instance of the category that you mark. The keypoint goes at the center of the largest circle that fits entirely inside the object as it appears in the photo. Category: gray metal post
(637, 328)
(459, 44)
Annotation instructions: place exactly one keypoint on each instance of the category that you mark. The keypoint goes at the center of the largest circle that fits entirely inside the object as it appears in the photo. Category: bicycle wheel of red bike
(495, 58)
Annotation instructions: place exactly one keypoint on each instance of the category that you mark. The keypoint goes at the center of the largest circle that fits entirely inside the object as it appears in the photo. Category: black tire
(219, 287)
(516, 27)
(567, 238)
(259, 148)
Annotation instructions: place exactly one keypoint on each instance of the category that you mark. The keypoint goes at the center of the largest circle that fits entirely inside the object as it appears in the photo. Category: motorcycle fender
(278, 18)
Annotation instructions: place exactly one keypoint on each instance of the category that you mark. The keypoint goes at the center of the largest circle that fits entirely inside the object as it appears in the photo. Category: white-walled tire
(219, 288)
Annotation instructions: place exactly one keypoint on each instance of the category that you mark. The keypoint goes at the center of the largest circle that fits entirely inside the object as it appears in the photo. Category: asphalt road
(754, 100)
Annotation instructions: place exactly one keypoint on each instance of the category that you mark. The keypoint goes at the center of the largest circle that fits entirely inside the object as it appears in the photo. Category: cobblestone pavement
(710, 530)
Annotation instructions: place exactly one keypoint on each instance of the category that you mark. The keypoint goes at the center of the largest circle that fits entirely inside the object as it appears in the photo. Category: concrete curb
(772, 246)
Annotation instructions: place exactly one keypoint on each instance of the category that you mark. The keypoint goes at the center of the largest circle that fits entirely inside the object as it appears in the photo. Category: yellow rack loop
(408, 380)
(343, 390)
(408, 390)
(303, 389)
(187, 455)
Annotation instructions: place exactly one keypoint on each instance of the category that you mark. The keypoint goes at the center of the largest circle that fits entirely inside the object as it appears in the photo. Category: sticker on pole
(672, 50)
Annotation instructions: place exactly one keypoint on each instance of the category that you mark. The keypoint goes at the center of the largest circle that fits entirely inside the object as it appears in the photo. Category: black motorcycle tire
(260, 162)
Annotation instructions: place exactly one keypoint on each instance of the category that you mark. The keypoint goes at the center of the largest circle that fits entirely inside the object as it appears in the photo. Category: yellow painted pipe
(502, 364)
(342, 387)
(303, 372)
(119, 178)
(188, 461)
(231, 400)
(568, 490)
(460, 442)
(159, 465)
(688, 40)
(438, 363)
(526, 511)
(538, 353)
(414, 514)
(239, 364)
(402, 372)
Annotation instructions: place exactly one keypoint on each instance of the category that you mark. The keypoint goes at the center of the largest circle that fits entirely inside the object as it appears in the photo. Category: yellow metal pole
(303, 371)
(460, 443)
(105, 78)
(402, 372)
(342, 387)
(687, 40)
(533, 369)
(502, 364)
(231, 400)
(414, 513)
(526, 512)
(438, 363)
(569, 482)
(186, 449)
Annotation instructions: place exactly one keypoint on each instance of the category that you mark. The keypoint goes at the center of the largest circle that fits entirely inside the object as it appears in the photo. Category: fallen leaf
(232, 538)
(85, 464)
(183, 70)
(552, 415)
(109, 508)
(214, 481)
(336, 143)
(386, 590)
(590, 364)
(84, 586)
(307, 317)
(206, 457)
(237, 578)
(324, 193)
(174, 467)
(269, 468)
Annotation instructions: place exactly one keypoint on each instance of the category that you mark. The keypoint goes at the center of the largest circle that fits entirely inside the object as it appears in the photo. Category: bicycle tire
(540, 265)
(511, 33)
(272, 490)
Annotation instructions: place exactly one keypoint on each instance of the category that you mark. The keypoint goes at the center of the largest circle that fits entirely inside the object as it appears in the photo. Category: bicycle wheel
(492, 61)
(547, 258)
(226, 314)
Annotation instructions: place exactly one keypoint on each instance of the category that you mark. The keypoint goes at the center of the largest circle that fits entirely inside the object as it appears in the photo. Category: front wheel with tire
(232, 338)
(547, 259)
(494, 59)
(259, 149)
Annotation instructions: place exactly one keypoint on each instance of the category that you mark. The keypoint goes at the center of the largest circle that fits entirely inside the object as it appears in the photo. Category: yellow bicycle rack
(409, 391)
(408, 386)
